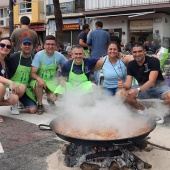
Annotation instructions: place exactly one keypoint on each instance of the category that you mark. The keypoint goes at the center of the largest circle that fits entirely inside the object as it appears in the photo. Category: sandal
(1, 120)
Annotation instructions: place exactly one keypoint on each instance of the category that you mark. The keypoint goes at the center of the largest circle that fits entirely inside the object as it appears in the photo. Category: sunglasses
(5, 45)
(50, 44)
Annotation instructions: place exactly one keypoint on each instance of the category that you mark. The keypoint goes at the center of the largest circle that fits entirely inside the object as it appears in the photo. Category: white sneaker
(142, 112)
(159, 120)
(20, 105)
(14, 110)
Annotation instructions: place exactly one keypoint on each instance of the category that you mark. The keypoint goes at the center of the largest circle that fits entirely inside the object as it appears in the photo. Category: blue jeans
(27, 102)
(156, 91)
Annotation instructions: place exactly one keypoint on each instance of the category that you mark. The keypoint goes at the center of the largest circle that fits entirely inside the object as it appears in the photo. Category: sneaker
(142, 112)
(40, 110)
(20, 105)
(159, 120)
(14, 109)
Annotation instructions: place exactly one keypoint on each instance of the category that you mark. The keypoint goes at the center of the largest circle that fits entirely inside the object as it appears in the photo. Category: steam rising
(99, 111)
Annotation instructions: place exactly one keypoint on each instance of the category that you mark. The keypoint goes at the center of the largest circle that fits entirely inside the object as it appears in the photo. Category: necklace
(3, 71)
(116, 71)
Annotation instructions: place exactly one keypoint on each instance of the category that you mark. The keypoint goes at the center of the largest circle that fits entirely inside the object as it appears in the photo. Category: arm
(127, 84)
(89, 39)
(34, 75)
(98, 65)
(127, 59)
(62, 59)
(64, 74)
(12, 85)
(152, 79)
(82, 43)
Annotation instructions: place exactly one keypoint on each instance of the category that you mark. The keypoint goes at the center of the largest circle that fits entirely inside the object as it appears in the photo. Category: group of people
(24, 77)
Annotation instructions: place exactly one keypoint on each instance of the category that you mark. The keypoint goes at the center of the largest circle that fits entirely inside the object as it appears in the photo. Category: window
(3, 12)
(25, 6)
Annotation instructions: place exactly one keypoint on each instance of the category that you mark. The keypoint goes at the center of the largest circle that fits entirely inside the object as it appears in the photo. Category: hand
(13, 87)
(120, 83)
(41, 83)
(133, 92)
(155, 56)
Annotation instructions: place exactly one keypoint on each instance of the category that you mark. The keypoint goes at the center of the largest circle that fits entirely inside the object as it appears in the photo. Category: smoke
(160, 109)
(98, 111)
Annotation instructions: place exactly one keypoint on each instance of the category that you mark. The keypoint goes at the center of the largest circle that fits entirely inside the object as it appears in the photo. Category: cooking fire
(116, 157)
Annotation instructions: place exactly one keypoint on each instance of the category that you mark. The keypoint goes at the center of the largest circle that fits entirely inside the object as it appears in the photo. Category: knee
(32, 110)
(13, 99)
(3, 88)
(21, 89)
(166, 98)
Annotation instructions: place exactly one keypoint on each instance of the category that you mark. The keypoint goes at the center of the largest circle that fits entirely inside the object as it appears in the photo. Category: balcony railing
(100, 4)
(67, 7)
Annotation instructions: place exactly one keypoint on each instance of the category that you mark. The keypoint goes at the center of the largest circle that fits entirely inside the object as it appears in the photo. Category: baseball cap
(26, 40)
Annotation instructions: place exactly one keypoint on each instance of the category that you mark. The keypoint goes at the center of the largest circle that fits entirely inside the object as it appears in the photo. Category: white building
(133, 20)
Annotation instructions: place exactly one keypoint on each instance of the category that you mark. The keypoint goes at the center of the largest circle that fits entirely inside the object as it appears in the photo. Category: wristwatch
(139, 90)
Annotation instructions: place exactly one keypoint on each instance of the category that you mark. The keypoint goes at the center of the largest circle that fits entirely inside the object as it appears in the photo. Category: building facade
(72, 19)
(132, 20)
(36, 11)
(4, 19)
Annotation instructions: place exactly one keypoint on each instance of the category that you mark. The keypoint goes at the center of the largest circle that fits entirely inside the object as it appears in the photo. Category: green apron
(22, 76)
(47, 73)
(77, 83)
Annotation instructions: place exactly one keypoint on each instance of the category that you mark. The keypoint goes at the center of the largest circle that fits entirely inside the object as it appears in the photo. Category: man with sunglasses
(19, 71)
(43, 72)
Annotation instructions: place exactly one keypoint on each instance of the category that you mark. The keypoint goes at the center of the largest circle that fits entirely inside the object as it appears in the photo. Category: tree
(59, 22)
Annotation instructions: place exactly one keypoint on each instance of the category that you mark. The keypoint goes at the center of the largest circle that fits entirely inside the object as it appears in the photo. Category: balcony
(108, 4)
(67, 7)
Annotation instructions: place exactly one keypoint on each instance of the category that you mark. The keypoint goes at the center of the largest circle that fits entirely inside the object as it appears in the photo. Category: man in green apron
(43, 71)
(19, 65)
(76, 72)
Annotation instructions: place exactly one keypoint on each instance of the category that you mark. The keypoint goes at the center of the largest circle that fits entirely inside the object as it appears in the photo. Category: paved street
(27, 148)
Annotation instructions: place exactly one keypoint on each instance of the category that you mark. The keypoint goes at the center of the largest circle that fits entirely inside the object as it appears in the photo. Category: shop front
(140, 30)
(40, 30)
(71, 29)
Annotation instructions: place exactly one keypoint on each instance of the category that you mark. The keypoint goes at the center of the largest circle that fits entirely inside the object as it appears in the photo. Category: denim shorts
(156, 91)
(27, 102)
(111, 91)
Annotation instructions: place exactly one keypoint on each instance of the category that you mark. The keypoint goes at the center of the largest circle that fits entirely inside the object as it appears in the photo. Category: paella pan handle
(124, 144)
(44, 127)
